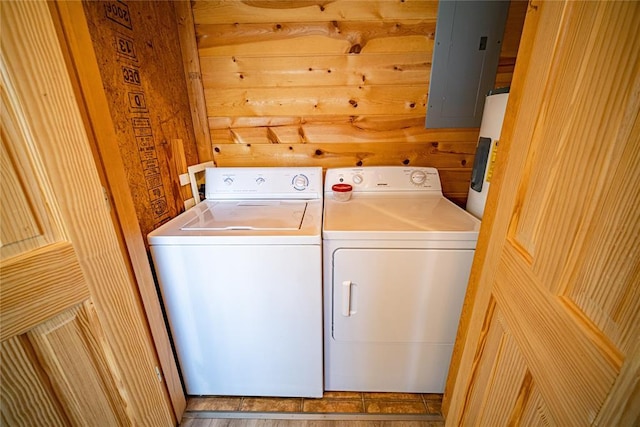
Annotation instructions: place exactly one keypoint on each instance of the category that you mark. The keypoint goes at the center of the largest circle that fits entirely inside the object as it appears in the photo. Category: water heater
(494, 108)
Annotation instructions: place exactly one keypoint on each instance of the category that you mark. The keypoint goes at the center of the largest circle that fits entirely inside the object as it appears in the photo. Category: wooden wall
(331, 83)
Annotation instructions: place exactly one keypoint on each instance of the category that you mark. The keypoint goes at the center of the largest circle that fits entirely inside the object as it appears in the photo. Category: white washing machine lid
(249, 215)
(399, 216)
(239, 222)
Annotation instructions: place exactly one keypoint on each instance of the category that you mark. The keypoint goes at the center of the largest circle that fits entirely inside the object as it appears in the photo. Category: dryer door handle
(346, 298)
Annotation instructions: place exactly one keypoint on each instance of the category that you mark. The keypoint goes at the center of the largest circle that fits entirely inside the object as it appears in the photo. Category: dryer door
(398, 295)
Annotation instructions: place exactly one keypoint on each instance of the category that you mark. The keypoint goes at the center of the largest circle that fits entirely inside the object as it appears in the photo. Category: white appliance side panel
(493, 115)
(399, 295)
(245, 320)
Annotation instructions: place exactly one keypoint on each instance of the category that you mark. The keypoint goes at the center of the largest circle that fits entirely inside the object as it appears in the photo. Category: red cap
(341, 188)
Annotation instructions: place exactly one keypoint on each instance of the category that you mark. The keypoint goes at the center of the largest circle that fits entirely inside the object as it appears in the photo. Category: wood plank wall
(332, 84)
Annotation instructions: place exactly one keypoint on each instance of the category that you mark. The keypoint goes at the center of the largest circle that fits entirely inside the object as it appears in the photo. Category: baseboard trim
(311, 416)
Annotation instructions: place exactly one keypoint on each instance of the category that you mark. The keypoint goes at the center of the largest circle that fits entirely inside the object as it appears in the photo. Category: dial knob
(357, 179)
(418, 177)
(259, 180)
(228, 180)
(300, 182)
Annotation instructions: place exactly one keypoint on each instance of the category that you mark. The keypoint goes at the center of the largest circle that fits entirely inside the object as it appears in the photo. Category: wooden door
(74, 344)
(553, 335)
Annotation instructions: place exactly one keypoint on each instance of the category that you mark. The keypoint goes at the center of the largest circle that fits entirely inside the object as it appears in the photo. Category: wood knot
(359, 163)
(319, 153)
(356, 49)
(405, 162)
(216, 149)
(353, 103)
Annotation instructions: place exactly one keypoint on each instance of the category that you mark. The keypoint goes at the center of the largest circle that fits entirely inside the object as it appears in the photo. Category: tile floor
(331, 402)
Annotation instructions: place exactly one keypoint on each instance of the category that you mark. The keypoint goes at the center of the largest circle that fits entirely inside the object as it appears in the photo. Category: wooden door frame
(77, 47)
(621, 407)
(58, 150)
(478, 294)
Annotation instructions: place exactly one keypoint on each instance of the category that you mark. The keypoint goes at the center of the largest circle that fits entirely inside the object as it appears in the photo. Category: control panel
(385, 178)
(263, 183)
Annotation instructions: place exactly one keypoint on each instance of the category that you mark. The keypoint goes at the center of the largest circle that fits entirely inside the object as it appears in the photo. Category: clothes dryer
(397, 257)
(240, 277)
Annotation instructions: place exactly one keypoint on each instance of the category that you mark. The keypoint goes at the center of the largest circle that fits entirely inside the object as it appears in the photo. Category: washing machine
(397, 257)
(240, 279)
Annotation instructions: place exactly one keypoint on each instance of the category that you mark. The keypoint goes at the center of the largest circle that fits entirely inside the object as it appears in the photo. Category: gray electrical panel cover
(465, 61)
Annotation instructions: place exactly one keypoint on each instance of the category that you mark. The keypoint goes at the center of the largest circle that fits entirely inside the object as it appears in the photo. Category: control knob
(357, 179)
(300, 182)
(228, 180)
(259, 180)
(418, 177)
